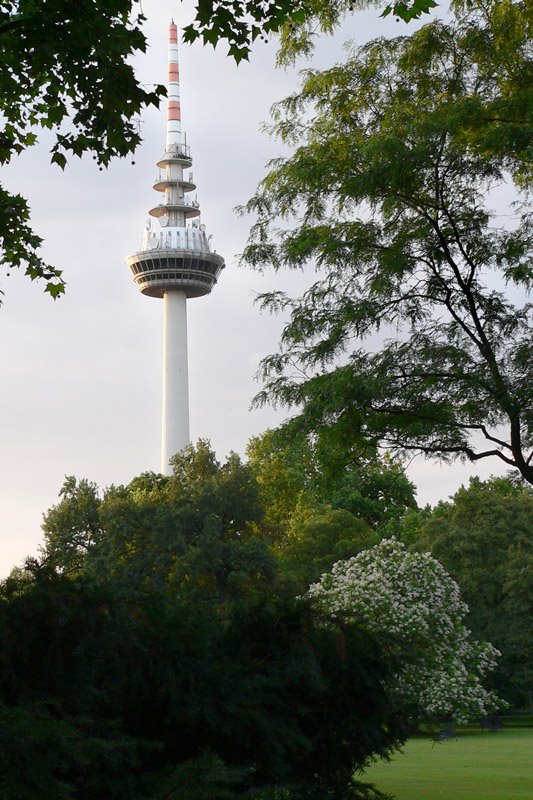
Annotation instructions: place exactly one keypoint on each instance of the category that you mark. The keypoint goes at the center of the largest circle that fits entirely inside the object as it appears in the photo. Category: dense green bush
(165, 659)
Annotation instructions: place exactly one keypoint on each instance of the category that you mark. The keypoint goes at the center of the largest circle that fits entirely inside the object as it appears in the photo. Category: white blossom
(414, 607)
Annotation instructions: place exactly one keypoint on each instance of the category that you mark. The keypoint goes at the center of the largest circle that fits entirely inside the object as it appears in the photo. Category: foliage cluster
(321, 504)
(483, 538)
(157, 649)
(153, 651)
(300, 518)
(241, 22)
(64, 67)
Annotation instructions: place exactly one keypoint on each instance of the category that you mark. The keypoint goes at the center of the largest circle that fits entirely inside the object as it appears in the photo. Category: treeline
(156, 650)
(163, 645)
(322, 505)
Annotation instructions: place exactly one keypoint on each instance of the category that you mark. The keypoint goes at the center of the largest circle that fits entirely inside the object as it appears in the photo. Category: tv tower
(175, 263)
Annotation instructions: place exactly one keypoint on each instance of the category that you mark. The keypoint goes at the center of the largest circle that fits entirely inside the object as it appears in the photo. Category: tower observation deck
(175, 263)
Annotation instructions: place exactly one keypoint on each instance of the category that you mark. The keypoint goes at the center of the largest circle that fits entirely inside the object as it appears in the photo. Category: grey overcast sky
(81, 376)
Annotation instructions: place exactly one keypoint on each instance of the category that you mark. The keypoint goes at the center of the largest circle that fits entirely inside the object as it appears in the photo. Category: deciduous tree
(319, 506)
(483, 538)
(72, 527)
(298, 469)
(398, 153)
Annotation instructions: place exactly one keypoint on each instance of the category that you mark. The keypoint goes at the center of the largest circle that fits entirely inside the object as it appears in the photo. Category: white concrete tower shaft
(175, 410)
(175, 433)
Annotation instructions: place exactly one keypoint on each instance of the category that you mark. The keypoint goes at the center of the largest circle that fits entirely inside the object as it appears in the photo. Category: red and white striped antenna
(173, 102)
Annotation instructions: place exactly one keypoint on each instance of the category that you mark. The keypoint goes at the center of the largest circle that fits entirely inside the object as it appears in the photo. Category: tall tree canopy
(104, 694)
(483, 537)
(398, 154)
(375, 489)
(318, 508)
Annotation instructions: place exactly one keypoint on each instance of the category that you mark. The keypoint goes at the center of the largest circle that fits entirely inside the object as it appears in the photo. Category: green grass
(476, 766)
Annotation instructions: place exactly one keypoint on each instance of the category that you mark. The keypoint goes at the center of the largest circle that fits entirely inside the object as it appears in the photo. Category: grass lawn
(477, 765)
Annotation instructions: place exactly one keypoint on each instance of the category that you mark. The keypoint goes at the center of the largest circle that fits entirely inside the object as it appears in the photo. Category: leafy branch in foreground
(64, 68)
(398, 155)
(241, 22)
(19, 244)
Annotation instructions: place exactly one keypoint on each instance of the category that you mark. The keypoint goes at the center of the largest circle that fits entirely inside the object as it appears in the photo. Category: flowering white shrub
(411, 603)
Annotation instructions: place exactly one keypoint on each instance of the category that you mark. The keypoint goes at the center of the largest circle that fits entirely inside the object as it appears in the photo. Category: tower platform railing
(177, 151)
